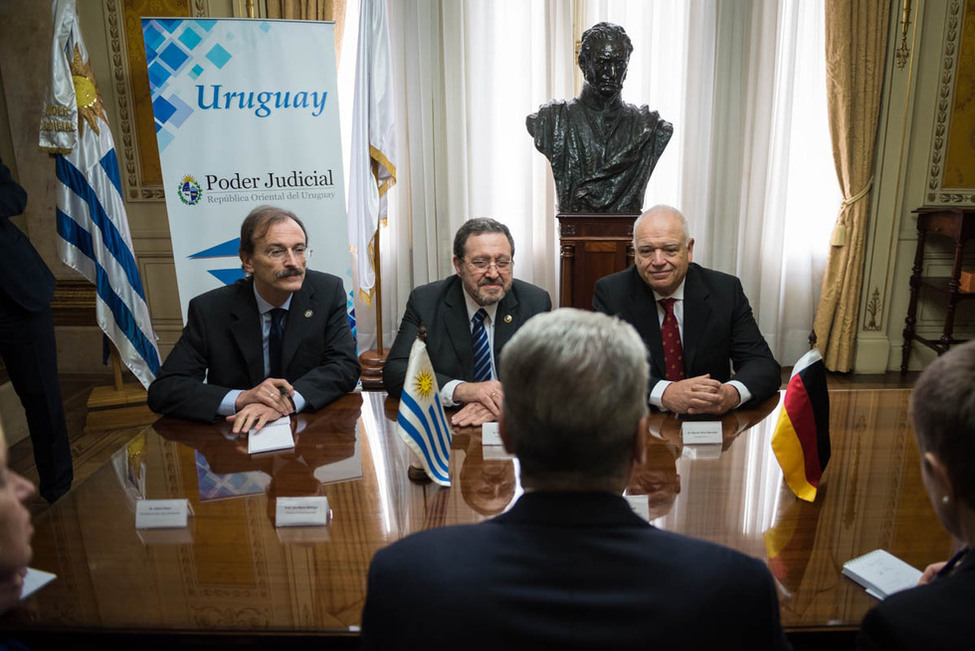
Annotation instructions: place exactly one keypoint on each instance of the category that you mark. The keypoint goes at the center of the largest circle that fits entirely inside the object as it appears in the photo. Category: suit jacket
(441, 307)
(23, 275)
(567, 571)
(718, 327)
(933, 617)
(222, 343)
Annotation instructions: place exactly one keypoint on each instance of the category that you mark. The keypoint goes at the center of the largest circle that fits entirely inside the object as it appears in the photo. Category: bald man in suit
(703, 315)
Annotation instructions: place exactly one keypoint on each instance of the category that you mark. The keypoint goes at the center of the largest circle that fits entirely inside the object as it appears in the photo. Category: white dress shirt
(447, 392)
(657, 394)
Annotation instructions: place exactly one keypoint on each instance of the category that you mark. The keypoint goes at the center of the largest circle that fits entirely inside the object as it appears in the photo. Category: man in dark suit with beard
(272, 344)
(485, 291)
(569, 566)
(696, 322)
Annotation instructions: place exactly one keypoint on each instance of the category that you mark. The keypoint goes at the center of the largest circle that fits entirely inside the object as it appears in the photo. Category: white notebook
(275, 435)
(881, 573)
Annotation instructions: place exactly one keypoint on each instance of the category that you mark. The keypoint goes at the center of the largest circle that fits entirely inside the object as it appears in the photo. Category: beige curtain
(311, 10)
(856, 46)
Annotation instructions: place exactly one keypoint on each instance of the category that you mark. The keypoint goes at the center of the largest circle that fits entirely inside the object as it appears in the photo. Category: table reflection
(231, 570)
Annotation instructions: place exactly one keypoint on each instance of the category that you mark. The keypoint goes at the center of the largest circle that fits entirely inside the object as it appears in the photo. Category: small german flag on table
(801, 437)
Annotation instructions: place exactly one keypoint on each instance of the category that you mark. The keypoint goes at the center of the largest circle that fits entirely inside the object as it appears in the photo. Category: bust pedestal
(592, 245)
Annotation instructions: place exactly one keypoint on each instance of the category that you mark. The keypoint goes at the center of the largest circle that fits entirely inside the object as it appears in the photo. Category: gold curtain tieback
(838, 237)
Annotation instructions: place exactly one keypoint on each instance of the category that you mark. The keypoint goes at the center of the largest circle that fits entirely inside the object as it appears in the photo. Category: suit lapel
(298, 326)
(458, 328)
(507, 320)
(246, 331)
(643, 307)
(697, 313)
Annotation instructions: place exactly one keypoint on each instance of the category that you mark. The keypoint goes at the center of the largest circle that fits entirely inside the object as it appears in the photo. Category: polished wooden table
(231, 576)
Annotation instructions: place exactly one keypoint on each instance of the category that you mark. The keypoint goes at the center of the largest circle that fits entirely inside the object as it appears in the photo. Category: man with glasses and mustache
(274, 343)
(469, 318)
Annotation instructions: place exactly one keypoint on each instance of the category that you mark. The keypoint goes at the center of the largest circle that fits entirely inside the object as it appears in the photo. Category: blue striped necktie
(274, 341)
(482, 350)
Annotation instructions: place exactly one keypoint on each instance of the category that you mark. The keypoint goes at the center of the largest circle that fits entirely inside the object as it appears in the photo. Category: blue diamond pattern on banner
(169, 24)
(173, 56)
(157, 75)
(163, 110)
(182, 111)
(190, 38)
(153, 39)
(218, 56)
(175, 47)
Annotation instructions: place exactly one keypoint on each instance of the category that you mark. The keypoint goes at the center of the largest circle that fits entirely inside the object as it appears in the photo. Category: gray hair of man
(575, 387)
(659, 210)
(480, 226)
(943, 413)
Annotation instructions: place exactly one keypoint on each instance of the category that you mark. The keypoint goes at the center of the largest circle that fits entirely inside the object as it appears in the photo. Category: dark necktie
(670, 333)
(482, 350)
(274, 341)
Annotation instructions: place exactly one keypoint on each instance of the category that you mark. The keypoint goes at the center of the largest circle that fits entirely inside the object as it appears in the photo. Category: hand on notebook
(254, 415)
(930, 572)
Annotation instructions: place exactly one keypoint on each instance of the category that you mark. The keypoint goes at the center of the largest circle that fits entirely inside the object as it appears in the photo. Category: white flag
(422, 423)
(91, 221)
(372, 167)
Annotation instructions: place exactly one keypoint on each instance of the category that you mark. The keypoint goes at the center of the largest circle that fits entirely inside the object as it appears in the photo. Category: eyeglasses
(482, 264)
(278, 255)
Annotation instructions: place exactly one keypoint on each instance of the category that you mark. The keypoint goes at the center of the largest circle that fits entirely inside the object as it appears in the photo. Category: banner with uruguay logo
(246, 114)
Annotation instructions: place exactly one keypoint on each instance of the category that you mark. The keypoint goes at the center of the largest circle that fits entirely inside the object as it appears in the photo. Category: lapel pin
(308, 314)
(507, 318)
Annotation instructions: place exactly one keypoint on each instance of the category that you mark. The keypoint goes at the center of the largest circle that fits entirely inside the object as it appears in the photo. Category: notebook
(881, 573)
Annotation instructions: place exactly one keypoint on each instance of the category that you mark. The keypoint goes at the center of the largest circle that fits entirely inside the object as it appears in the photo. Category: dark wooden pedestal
(593, 245)
(372, 362)
(959, 225)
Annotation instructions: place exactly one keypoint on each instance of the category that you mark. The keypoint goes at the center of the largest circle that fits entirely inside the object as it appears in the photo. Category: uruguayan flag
(421, 421)
(91, 220)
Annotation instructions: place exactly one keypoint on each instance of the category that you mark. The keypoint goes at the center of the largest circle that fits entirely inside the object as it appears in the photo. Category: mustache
(287, 273)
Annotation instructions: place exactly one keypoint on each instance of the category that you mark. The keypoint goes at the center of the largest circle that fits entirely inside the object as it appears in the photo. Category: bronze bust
(602, 150)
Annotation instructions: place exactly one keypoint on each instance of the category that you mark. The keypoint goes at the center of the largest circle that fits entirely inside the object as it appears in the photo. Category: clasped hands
(482, 403)
(700, 395)
(256, 407)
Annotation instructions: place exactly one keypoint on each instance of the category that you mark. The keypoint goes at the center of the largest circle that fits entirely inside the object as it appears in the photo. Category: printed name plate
(701, 432)
(640, 505)
(490, 434)
(161, 514)
(301, 511)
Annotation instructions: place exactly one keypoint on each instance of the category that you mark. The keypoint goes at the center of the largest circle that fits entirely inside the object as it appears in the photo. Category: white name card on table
(275, 435)
(162, 514)
(640, 505)
(34, 581)
(301, 511)
(490, 434)
(701, 432)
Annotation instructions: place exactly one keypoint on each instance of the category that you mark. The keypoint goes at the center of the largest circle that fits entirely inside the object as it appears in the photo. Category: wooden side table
(959, 225)
(592, 245)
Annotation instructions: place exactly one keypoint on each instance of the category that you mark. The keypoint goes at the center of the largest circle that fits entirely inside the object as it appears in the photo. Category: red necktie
(673, 351)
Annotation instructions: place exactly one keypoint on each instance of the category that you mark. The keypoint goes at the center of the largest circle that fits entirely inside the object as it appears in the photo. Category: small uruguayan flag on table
(422, 423)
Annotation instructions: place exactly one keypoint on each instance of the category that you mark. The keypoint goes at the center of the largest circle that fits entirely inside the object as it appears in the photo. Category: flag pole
(372, 361)
(377, 263)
